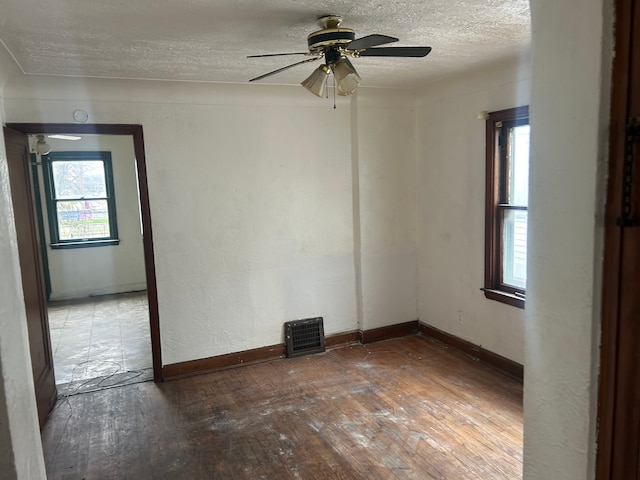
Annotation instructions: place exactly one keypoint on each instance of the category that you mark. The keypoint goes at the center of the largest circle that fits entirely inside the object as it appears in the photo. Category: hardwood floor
(406, 408)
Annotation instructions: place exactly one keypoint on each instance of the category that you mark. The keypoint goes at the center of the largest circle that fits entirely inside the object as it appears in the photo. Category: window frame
(496, 184)
(54, 241)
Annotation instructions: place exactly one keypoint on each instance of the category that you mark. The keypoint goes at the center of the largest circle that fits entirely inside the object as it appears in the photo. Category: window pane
(79, 179)
(519, 163)
(514, 248)
(84, 219)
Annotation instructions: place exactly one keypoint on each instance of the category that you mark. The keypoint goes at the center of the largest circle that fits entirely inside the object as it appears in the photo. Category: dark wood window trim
(494, 289)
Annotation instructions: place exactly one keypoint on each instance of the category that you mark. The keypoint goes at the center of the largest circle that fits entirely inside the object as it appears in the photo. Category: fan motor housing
(329, 37)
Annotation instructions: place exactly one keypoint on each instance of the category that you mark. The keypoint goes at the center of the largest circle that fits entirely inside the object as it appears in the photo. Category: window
(506, 206)
(80, 200)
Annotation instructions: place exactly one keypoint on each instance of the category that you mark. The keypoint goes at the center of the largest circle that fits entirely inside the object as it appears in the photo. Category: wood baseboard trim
(511, 368)
(342, 339)
(246, 357)
(219, 362)
(390, 331)
(273, 352)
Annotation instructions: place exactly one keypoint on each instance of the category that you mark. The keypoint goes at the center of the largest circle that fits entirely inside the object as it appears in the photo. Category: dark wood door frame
(617, 393)
(33, 287)
(138, 144)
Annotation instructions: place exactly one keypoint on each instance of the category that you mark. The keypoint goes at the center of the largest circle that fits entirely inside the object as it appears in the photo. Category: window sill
(504, 297)
(85, 244)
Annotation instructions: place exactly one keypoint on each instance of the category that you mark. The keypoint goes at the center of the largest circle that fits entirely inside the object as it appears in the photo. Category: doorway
(88, 212)
(72, 298)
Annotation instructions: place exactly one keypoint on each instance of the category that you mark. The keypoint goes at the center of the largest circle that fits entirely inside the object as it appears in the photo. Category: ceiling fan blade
(369, 41)
(396, 52)
(284, 68)
(277, 54)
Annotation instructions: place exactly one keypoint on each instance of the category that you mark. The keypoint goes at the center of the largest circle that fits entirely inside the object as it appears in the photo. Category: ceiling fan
(336, 44)
(41, 146)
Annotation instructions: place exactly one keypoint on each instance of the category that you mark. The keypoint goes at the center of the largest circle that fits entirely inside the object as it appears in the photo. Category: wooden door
(619, 395)
(35, 300)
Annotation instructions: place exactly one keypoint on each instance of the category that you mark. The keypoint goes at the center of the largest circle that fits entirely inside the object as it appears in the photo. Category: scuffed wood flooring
(406, 408)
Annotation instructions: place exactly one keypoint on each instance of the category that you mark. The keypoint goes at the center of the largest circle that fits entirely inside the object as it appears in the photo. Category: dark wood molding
(504, 297)
(391, 331)
(272, 352)
(149, 256)
(36, 322)
(246, 357)
(511, 368)
(342, 338)
(493, 287)
(138, 145)
(613, 248)
(219, 362)
(491, 250)
(87, 128)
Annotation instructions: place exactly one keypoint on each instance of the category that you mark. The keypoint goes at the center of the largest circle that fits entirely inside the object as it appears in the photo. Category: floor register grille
(303, 337)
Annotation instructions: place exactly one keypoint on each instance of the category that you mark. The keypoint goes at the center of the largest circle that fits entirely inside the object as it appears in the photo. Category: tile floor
(102, 336)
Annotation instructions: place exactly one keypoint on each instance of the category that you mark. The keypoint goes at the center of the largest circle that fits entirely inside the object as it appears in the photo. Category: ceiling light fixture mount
(335, 44)
(330, 20)
(41, 147)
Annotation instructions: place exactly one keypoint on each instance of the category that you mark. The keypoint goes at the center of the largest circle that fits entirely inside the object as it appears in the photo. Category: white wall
(251, 203)
(20, 447)
(82, 272)
(451, 203)
(570, 125)
(386, 165)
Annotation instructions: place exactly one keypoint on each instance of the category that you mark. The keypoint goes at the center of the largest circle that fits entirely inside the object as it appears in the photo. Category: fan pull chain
(334, 92)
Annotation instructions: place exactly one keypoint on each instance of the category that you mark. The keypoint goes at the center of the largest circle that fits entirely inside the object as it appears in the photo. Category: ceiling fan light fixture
(316, 83)
(347, 79)
(336, 45)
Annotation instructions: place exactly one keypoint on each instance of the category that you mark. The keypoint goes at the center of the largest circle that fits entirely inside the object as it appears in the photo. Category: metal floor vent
(304, 336)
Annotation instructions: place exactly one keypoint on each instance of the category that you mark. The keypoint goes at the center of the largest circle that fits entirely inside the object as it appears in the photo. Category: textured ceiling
(199, 40)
